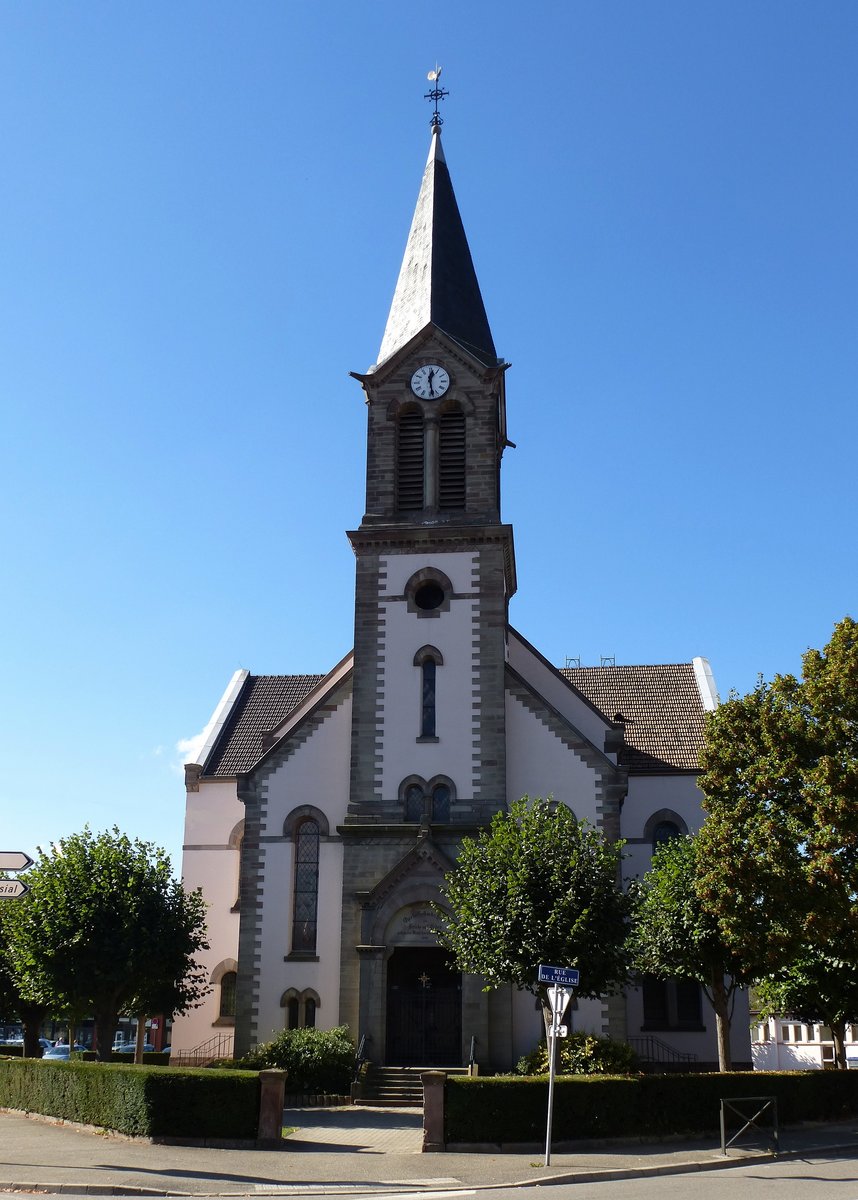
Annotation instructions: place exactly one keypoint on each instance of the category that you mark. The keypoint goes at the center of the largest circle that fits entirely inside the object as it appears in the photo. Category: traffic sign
(564, 976)
(14, 860)
(11, 889)
(558, 998)
(560, 1031)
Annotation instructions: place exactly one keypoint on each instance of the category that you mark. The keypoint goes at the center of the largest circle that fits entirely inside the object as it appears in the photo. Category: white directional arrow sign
(11, 889)
(14, 860)
(558, 998)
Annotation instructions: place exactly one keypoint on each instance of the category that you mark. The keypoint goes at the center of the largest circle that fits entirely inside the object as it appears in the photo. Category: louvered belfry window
(451, 459)
(409, 461)
(306, 894)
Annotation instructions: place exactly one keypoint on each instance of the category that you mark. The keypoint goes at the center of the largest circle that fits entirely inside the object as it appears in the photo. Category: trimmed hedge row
(151, 1058)
(141, 1101)
(510, 1109)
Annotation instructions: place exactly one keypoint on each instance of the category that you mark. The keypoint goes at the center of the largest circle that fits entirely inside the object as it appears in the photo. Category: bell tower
(434, 575)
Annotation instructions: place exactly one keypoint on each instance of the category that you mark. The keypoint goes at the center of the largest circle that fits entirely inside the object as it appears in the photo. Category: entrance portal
(424, 1009)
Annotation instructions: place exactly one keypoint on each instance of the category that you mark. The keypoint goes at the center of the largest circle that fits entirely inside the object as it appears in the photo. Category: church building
(325, 810)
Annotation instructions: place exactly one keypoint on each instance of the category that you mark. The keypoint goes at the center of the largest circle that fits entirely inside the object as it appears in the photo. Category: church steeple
(437, 282)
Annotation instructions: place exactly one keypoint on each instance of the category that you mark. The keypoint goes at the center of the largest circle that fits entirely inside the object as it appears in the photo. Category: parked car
(60, 1051)
(130, 1047)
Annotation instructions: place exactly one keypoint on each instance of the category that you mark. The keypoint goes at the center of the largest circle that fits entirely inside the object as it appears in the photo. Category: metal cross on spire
(437, 93)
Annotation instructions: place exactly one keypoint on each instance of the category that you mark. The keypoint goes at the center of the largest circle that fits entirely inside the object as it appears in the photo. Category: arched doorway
(424, 1009)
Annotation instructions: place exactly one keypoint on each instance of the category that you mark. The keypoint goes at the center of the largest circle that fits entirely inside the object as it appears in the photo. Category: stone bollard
(272, 1092)
(433, 1110)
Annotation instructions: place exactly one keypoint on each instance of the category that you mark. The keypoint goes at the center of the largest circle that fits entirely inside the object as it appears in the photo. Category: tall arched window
(306, 894)
(451, 459)
(441, 803)
(226, 1007)
(409, 460)
(427, 707)
(428, 659)
(414, 802)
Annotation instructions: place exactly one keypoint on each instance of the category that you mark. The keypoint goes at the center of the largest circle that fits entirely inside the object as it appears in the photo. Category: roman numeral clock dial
(430, 382)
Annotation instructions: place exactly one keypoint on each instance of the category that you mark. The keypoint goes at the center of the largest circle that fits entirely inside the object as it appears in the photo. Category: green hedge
(142, 1101)
(510, 1109)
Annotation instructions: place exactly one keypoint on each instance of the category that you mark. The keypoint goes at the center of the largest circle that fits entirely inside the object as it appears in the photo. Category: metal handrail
(653, 1049)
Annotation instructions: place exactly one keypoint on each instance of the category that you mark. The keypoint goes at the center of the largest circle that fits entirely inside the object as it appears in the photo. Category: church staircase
(395, 1087)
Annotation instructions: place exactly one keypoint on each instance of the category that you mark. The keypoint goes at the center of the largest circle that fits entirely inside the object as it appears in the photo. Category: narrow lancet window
(427, 714)
(306, 893)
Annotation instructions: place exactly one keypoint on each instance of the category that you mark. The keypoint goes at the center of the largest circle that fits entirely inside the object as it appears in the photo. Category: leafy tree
(103, 925)
(14, 1001)
(538, 886)
(675, 937)
(780, 776)
(820, 985)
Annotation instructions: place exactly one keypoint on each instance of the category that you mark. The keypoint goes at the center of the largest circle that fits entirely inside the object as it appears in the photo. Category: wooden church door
(424, 1009)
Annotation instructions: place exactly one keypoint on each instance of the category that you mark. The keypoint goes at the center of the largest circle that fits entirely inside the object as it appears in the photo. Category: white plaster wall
(538, 764)
(317, 773)
(277, 974)
(554, 688)
(702, 1043)
(527, 1025)
(210, 863)
(400, 691)
(648, 794)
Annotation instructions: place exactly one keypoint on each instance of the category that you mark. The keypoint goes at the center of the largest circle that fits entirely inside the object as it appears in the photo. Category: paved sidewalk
(344, 1151)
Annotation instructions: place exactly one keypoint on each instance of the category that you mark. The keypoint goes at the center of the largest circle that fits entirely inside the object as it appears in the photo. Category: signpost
(12, 889)
(13, 860)
(562, 980)
(564, 976)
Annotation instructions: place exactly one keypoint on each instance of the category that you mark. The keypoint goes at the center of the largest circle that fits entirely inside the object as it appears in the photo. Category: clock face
(430, 381)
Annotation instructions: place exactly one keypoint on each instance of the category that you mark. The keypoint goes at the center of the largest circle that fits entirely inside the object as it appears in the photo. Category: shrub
(315, 1060)
(513, 1110)
(141, 1101)
(581, 1054)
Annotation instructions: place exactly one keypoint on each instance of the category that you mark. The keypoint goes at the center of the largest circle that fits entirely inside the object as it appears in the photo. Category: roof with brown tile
(263, 703)
(660, 705)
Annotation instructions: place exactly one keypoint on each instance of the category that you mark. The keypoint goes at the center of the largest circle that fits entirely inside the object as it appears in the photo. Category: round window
(429, 595)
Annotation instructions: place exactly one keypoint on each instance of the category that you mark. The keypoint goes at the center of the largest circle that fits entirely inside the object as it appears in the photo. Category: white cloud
(190, 748)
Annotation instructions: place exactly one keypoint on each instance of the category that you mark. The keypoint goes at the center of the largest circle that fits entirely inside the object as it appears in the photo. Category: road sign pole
(552, 1053)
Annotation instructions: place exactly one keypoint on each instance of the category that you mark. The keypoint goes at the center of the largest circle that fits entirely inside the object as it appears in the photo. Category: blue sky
(204, 208)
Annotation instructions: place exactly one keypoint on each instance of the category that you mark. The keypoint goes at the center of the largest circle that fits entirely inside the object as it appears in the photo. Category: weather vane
(437, 93)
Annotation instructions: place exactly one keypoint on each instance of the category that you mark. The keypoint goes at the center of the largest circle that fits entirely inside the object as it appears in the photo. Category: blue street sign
(564, 976)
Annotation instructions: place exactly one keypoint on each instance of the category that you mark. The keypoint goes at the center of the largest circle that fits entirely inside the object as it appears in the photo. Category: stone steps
(395, 1086)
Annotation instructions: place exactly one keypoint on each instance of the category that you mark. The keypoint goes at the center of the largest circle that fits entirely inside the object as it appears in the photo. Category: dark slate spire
(437, 283)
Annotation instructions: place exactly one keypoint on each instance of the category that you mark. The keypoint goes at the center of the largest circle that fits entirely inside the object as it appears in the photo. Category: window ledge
(427, 739)
(663, 1027)
(297, 956)
(224, 1021)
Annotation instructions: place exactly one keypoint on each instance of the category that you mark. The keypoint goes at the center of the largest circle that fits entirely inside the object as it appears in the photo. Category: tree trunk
(105, 1031)
(141, 1038)
(32, 1016)
(838, 1036)
(721, 1005)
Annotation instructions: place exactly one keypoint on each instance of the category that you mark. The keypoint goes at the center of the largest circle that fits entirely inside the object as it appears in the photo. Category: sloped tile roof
(660, 705)
(264, 701)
